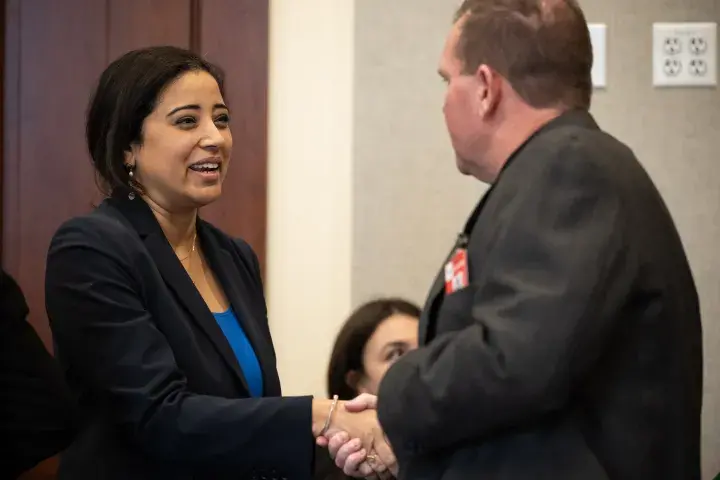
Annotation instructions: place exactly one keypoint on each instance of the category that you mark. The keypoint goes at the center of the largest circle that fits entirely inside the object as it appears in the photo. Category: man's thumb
(362, 402)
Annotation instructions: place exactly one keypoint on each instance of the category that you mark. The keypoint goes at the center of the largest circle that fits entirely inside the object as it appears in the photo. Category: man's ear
(489, 90)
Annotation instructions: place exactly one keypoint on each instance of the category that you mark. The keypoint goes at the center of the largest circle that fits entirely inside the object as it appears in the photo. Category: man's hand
(363, 427)
(362, 402)
(354, 461)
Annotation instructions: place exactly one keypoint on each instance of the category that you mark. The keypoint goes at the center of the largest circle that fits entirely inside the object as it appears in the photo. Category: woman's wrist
(320, 414)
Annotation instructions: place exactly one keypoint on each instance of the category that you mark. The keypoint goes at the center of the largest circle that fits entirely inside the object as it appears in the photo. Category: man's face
(462, 108)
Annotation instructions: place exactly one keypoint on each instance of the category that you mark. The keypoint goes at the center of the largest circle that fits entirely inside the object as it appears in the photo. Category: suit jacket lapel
(435, 294)
(222, 264)
(175, 276)
(437, 291)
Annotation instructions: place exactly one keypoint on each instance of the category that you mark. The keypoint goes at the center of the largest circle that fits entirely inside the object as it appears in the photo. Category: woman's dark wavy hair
(127, 92)
(349, 345)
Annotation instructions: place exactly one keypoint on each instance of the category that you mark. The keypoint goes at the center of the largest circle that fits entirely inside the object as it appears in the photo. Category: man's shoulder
(577, 148)
(582, 141)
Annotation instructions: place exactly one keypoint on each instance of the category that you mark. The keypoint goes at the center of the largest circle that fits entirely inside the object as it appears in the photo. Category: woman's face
(392, 339)
(186, 145)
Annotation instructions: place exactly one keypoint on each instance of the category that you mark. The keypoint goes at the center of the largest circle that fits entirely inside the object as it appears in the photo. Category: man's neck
(512, 133)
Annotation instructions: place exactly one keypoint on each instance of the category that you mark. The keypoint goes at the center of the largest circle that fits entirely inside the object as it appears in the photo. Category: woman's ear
(356, 381)
(129, 157)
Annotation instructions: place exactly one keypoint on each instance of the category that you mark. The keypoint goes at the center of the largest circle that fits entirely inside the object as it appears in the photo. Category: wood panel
(3, 8)
(56, 55)
(135, 24)
(11, 147)
(234, 34)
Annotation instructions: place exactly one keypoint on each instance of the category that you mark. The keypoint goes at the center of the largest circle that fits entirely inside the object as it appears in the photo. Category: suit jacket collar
(140, 216)
(579, 118)
(220, 261)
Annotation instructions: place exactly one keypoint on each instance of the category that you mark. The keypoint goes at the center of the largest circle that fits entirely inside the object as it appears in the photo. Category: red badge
(456, 271)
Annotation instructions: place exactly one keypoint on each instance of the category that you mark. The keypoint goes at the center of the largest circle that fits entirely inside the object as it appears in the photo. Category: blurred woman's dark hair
(347, 354)
(127, 92)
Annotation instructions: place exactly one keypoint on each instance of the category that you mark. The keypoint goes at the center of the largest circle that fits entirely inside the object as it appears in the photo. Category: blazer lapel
(428, 317)
(175, 276)
(222, 264)
(435, 294)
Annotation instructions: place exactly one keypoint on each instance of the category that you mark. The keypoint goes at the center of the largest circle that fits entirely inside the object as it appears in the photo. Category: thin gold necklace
(191, 250)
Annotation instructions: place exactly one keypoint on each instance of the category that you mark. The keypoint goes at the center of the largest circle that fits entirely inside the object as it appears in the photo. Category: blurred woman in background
(373, 337)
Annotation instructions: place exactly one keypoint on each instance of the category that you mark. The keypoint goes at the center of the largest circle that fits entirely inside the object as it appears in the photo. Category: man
(37, 411)
(562, 338)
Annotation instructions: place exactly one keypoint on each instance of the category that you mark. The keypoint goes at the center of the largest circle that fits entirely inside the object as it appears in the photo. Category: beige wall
(407, 200)
(310, 164)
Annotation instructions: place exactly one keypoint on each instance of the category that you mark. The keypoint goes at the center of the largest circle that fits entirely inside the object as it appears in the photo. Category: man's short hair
(542, 48)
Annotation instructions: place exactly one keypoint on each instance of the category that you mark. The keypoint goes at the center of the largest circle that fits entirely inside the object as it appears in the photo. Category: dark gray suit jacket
(576, 350)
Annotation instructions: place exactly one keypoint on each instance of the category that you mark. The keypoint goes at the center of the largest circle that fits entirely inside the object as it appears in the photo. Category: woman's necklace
(192, 249)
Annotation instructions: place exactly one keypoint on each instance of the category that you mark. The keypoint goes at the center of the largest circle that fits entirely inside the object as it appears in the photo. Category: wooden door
(54, 53)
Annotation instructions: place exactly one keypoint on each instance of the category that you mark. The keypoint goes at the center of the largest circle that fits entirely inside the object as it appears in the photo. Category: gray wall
(409, 201)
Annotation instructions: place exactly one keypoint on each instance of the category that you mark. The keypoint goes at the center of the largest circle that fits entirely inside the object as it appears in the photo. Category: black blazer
(576, 350)
(162, 390)
(38, 413)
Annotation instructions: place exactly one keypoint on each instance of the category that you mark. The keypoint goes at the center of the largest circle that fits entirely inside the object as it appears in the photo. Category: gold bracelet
(329, 417)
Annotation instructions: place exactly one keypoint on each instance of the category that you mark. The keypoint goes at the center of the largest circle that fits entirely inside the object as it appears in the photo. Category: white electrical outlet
(598, 37)
(685, 54)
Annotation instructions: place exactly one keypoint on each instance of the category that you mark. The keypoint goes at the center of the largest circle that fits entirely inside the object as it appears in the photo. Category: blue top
(243, 350)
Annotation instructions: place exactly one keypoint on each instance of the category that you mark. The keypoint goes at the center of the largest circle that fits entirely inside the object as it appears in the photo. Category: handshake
(356, 441)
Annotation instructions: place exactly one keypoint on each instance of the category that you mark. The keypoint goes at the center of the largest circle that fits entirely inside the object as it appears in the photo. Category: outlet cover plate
(685, 54)
(598, 37)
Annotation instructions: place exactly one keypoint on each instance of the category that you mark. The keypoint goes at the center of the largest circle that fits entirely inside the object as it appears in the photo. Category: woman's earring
(131, 173)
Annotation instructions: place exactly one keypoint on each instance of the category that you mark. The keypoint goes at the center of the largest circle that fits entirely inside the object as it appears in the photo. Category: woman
(373, 337)
(159, 317)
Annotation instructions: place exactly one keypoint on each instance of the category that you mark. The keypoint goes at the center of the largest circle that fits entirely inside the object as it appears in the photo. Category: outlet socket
(685, 54)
